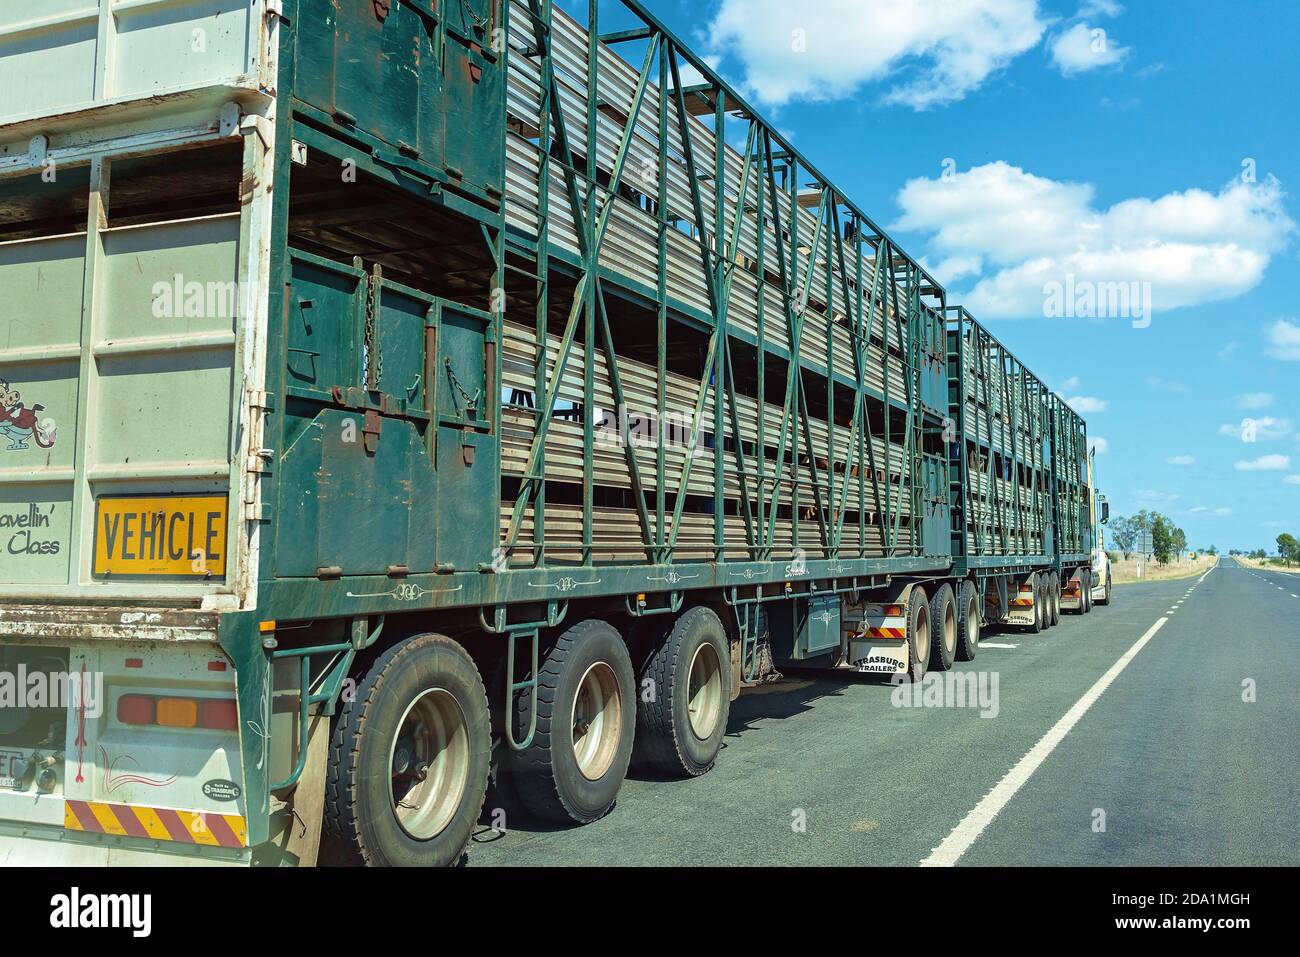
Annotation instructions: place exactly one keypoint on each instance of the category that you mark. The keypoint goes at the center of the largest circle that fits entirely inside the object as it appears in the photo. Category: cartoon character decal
(19, 423)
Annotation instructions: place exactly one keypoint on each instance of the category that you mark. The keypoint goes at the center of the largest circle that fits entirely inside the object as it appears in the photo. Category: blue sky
(1008, 144)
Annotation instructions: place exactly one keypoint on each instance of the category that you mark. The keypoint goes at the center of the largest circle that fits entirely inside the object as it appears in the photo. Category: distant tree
(1124, 534)
(1179, 542)
(1288, 547)
(1162, 538)
(1212, 550)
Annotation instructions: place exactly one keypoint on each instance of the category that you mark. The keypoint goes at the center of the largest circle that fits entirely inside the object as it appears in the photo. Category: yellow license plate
(167, 535)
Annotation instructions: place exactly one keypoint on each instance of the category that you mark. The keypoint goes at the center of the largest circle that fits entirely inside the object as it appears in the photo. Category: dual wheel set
(1047, 602)
(943, 627)
(1047, 599)
(411, 750)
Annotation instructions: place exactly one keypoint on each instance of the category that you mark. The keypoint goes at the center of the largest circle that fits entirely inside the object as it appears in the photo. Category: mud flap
(295, 826)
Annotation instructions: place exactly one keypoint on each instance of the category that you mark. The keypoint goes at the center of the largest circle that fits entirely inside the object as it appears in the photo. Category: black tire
(1054, 599)
(969, 612)
(1085, 578)
(548, 778)
(918, 621)
(665, 738)
(1105, 598)
(943, 629)
(359, 817)
(1045, 593)
(1037, 626)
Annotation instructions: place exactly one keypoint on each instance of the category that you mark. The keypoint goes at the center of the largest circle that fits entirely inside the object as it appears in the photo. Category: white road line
(981, 816)
(991, 644)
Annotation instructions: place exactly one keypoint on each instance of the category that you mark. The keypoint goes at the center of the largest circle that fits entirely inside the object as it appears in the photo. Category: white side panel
(60, 56)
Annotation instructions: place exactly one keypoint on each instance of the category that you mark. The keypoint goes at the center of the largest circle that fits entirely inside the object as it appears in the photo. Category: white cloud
(1197, 510)
(1254, 400)
(1292, 480)
(1265, 463)
(1264, 428)
(1180, 460)
(1084, 47)
(1284, 340)
(826, 49)
(1029, 231)
(1223, 511)
(1084, 404)
(1100, 444)
(1099, 8)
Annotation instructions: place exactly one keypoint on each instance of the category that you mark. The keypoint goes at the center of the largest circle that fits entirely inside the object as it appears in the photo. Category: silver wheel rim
(704, 691)
(597, 721)
(973, 624)
(950, 631)
(923, 638)
(429, 764)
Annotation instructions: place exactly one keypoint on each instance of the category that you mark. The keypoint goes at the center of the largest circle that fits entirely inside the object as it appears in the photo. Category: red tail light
(136, 709)
(219, 714)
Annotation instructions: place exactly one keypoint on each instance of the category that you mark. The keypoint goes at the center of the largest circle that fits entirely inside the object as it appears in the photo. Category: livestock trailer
(399, 391)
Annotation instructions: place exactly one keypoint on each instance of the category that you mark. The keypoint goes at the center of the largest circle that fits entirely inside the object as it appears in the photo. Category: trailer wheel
(1085, 582)
(943, 629)
(968, 622)
(688, 681)
(575, 765)
(409, 755)
(1037, 626)
(918, 632)
(1054, 598)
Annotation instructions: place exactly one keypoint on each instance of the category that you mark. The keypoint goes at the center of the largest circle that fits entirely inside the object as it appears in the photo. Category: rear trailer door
(133, 201)
(122, 377)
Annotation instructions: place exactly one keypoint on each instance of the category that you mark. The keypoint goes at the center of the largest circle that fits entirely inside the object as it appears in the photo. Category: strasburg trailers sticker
(219, 789)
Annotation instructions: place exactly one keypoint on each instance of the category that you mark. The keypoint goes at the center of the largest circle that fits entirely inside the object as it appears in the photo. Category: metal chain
(471, 400)
(374, 360)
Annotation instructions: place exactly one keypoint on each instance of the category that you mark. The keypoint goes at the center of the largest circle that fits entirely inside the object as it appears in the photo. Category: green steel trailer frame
(540, 347)
(1019, 470)
(1017, 465)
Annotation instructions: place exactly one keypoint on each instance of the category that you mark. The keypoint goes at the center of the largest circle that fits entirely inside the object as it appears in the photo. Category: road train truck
(404, 398)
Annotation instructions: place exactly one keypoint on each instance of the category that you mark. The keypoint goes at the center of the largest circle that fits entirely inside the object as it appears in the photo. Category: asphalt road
(1168, 764)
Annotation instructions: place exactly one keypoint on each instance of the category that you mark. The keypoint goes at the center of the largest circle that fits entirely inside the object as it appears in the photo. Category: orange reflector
(266, 626)
(893, 611)
(178, 712)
